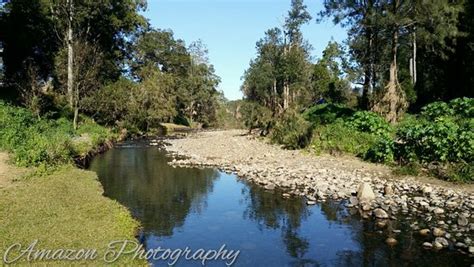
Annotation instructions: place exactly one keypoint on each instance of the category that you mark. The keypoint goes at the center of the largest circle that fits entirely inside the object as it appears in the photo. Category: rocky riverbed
(439, 212)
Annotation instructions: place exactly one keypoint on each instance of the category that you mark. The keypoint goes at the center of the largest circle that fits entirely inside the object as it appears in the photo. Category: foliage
(369, 122)
(36, 142)
(436, 109)
(381, 151)
(327, 113)
(440, 140)
(292, 131)
(255, 115)
(337, 137)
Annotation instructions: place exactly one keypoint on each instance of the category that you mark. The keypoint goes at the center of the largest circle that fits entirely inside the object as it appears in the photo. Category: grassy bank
(59, 205)
(65, 209)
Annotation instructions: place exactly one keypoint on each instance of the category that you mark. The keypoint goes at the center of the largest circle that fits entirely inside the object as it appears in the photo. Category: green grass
(36, 142)
(64, 210)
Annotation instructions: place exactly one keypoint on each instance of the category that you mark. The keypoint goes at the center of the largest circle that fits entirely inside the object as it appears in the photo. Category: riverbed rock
(462, 220)
(438, 211)
(380, 214)
(437, 245)
(427, 245)
(388, 190)
(365, 193)
(471, 250)
(437, 232)
(391, 241)
(424, 232)
(443, 241)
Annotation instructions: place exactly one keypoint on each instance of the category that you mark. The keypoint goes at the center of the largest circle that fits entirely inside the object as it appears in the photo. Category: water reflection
(204, 208)
(160, 197)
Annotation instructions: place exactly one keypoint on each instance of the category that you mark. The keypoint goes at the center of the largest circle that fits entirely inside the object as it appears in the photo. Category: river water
(206, 208)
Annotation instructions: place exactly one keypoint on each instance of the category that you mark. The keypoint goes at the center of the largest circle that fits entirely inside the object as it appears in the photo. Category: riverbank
(62, 210)
(44, 197)
(442, 211)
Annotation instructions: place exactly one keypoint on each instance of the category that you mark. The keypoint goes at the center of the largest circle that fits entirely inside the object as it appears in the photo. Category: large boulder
(365, 193)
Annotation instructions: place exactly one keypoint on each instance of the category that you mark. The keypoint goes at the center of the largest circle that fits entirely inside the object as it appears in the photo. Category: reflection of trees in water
(158, 195)
(270, 210)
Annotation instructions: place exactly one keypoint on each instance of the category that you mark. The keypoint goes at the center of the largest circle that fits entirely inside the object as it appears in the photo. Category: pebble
(427, 245)
(424, 232)
(380, 214)
(437, 232)
(391, 241)
(462, 221)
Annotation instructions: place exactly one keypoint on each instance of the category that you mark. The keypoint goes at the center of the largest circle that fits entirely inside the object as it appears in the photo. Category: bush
(255, 115)
(327, 113)
(370, 122)
(381, 151)
(337, 137)
(463, 107)
(44, 142)
(435, 110)
(432, 141)
(292, 131)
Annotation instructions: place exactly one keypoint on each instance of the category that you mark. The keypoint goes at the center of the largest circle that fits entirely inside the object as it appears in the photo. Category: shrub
(381, 151)
(435, 110)
(292, 131)
(327, 113)
(255, 115)
(442, 140)
(44, 142)
(337, 137)
(369, 122)
(463, 107)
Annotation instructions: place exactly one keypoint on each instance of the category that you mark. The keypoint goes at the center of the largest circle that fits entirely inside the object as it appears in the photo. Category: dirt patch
(8, 172)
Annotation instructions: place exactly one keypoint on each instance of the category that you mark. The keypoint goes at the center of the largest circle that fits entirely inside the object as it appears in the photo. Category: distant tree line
(103, 59)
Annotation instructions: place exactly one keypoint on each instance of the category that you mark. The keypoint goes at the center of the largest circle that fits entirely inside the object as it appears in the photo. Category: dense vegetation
(104, 60)
(400, 56)
(46, 142)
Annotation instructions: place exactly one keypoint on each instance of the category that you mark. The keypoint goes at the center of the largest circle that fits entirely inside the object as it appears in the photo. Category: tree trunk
(393, 102)
(367, 71)
(414, 56)
(368, 67)
(70, 55)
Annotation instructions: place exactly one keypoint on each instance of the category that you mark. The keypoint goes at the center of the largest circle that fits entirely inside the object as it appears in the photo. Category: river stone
(424, 232)
(365, 193)
(311, 202)
(438, 211)
(353, 201)
(270, 187)
(388, 190)
(437, 245)
(427, 245)
(471, 250)
(427, 190)
(437, 232)
(380, 214)
(462, 220)
(442, 241)
(391, 241)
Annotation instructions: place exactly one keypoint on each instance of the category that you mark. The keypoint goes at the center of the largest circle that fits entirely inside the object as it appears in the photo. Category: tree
(280, 75)
(394, 25)
(88, 60)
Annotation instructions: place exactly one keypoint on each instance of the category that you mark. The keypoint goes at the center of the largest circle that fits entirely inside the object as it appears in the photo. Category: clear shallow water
(205, 208)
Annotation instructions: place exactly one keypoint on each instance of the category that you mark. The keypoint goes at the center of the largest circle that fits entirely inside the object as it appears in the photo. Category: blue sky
(230, 29)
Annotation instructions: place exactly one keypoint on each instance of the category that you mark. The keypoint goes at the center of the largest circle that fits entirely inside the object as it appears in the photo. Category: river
(206, 208)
